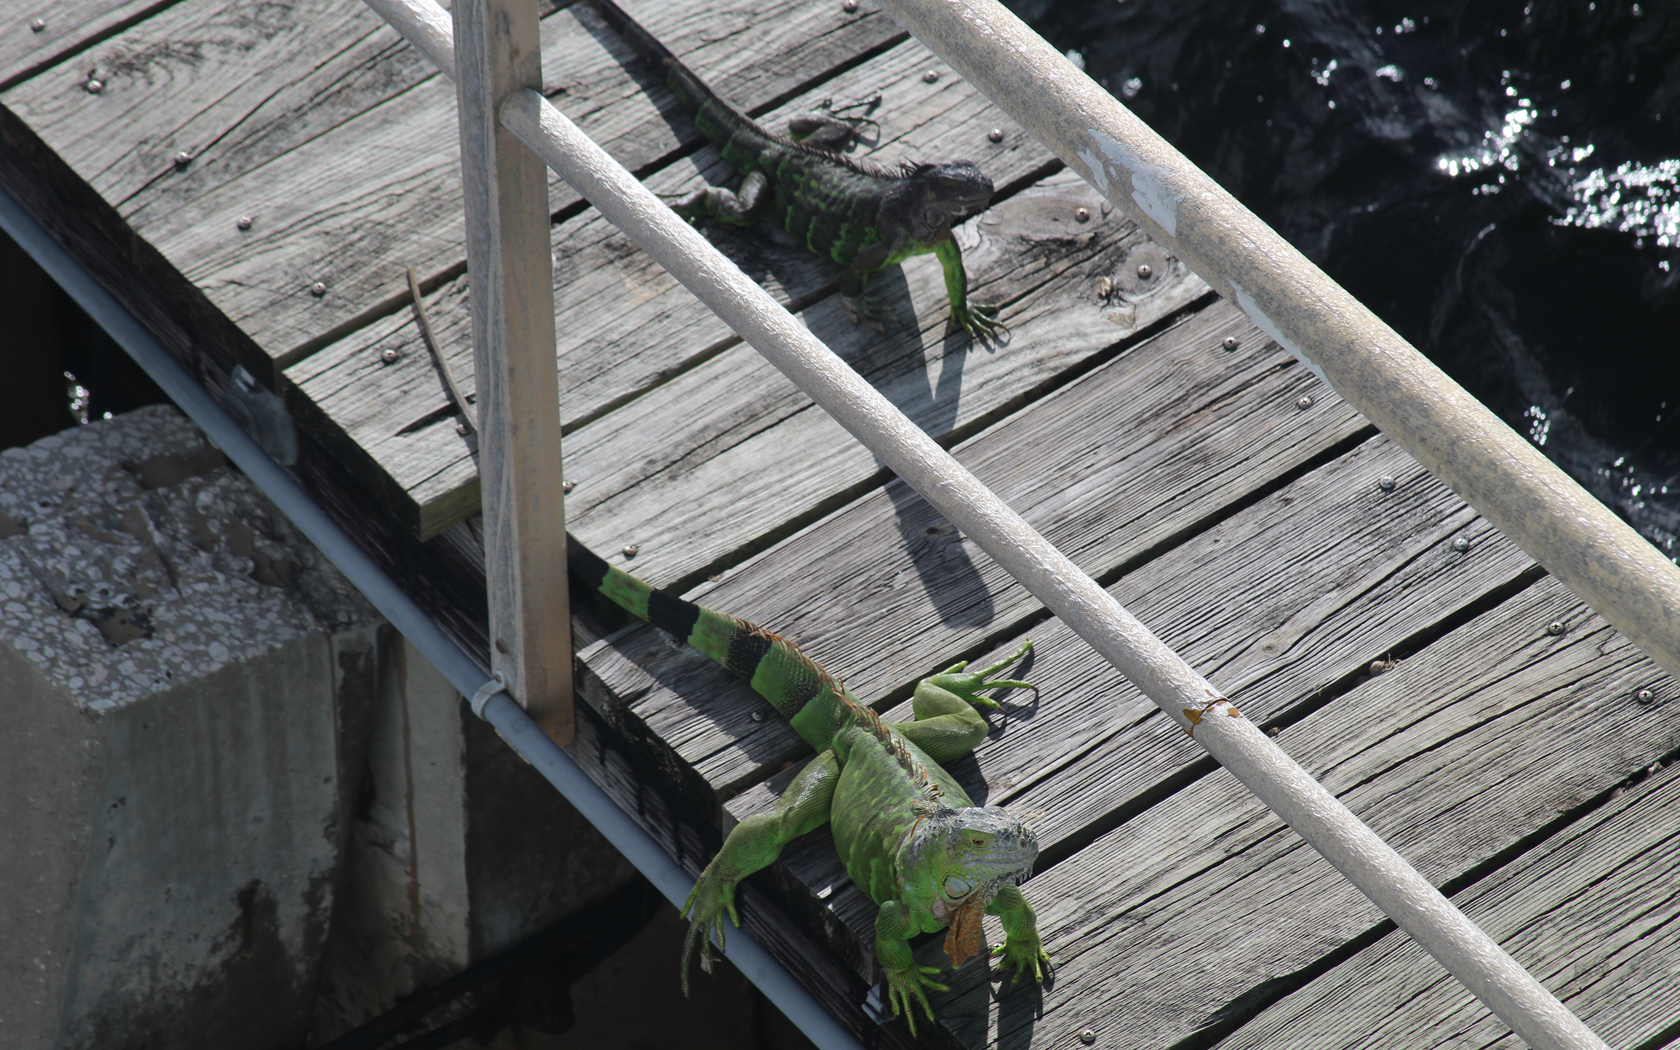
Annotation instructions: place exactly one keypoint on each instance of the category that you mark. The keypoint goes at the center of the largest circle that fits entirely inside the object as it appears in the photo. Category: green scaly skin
(862, 217)
(905, 830)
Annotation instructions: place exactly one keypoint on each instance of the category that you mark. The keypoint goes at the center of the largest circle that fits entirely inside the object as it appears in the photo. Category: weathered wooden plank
(507, 217)
(1457, 754)
(350, 208)
(749, 457)
(66, 27)
(233, 86)
(1126, 458)
(1347, 572)
(1591, 912)
(627, 325)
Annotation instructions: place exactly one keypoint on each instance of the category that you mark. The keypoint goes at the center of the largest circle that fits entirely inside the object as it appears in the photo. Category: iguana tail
(691, 90)
(796, 685)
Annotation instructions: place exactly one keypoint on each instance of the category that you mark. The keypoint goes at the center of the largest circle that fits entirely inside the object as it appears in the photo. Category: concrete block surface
(175, 666)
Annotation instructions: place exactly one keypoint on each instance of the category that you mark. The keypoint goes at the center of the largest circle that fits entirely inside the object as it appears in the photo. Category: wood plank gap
(1282, 719)
(1007, 634)
(963, 432)
(378, 311)
(642, 171)
(74, 48)
(799, 304)
(1228, 1019)
(1665, 1038)
(1225, 1021)
(1408, 646)
(796, 305)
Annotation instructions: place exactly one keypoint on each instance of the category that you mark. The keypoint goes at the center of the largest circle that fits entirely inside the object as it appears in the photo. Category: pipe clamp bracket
(496, 684)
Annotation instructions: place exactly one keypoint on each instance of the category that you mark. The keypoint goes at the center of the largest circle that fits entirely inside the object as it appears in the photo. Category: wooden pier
(254, 182)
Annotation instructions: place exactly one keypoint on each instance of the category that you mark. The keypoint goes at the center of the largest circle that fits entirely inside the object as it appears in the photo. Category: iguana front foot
(713, 894)
(979, 321)
(1022, 955)
(869, 311)
(969, 684)
(912, 981)
(828, 127)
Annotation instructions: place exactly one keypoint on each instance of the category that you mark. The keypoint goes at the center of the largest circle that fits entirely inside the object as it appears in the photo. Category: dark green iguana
(907, 833)
(861, 216)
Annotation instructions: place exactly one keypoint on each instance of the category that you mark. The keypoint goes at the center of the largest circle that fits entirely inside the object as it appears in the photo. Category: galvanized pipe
(462, 671)
(1318, 816)
(1508, 481)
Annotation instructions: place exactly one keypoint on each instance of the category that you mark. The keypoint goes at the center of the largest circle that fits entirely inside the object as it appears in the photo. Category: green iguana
(906, 832)
(861, 216)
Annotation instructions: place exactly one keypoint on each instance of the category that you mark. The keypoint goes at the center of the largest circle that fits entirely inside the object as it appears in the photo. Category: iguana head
(952, 855)
(943, 195)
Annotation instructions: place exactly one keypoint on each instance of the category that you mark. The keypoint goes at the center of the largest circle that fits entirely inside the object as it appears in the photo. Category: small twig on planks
(469, 421)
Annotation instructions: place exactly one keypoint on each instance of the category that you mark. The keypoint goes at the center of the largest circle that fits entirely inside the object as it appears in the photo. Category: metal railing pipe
(1506, 479)
(1318, 816)
(461, 670)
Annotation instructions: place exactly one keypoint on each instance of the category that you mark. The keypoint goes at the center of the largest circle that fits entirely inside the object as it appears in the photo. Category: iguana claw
(1019, 956)
(902, 984)
(979, 321)
(969, 685)
(712, 896)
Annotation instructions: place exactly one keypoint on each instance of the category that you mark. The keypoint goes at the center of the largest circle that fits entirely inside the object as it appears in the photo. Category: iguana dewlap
(907, 833)
(861, 216)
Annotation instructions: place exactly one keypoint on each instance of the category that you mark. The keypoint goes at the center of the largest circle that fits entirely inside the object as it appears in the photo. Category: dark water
(1496, 180)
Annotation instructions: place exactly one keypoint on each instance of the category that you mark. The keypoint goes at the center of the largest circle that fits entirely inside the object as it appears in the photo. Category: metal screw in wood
(1231, 343)
(318, 289)
(996, 134)
(1304, 402)
(930, 77)
(1386, 483)
(94, 87)
(630, 550)
(243, 222)
(1556, 627)
(1087, 1036)
(182, 159)
(36, 25)
(1082, 214)
(1461, 544)
(1645, 696)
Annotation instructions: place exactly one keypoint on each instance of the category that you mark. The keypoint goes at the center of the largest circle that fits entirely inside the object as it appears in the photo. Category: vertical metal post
(512, 289)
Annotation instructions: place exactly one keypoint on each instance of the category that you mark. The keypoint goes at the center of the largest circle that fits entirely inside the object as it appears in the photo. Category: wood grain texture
(70, 25)
(1343, 571)
(1593, 913)
(376, 191)
(234, 86)
(880, 592)
(518, 428)
(626, 326)
(1461, 752)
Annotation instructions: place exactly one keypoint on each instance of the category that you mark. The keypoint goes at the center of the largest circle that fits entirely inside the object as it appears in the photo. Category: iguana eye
(977, 841)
